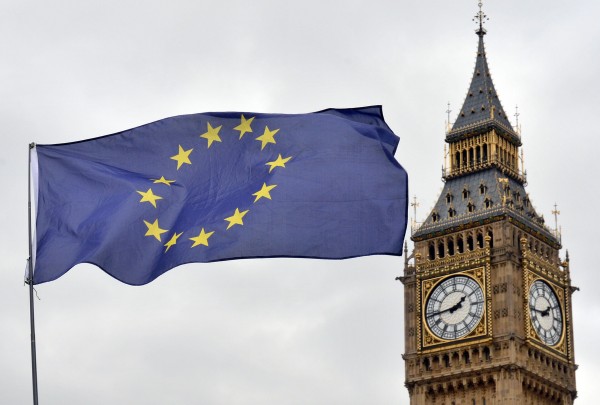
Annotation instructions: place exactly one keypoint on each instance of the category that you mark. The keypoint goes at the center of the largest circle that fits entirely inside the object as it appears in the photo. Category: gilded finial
(556, 213)
(503, 181)
(448, 125)
(480, 18)
(414, 204)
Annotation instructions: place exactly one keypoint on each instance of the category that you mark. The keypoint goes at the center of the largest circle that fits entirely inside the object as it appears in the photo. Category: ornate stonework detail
(516, 290)
(531, 275)
(452, 263)
(502, 313)
(500, 288)
(429, 339)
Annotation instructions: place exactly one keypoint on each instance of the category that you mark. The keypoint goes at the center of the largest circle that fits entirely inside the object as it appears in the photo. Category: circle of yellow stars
(183, 158)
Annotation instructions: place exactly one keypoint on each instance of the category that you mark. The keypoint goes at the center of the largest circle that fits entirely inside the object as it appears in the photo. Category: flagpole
(30, 282)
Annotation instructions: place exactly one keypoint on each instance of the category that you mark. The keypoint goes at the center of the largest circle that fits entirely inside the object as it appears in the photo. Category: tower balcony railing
(498, 209)
(475, 165)
(486, 124)
(458, 219)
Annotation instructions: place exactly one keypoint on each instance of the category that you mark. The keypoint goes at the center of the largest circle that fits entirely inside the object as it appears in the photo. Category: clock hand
(546, 312)
(451, 309)
(437, 313)
(543, 313)
(458, 305)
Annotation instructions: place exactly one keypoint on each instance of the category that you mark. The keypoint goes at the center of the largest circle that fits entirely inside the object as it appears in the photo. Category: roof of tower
(480, 197)
(482, 109)
(483, 192)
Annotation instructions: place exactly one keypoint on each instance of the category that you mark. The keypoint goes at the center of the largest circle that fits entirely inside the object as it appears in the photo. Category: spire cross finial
(556, 213)
(414, 204)
(480, 18)
(448, 111)
(517, 115)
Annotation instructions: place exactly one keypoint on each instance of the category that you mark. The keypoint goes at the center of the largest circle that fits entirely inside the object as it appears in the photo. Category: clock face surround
(454, 307)
(545, 313)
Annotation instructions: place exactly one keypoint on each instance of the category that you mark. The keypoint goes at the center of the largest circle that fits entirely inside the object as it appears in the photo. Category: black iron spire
(482, 108)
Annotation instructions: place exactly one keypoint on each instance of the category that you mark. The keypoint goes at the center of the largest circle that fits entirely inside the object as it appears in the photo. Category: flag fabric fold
(220, 186)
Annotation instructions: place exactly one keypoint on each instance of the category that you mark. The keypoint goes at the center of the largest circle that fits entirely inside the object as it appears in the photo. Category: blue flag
(219, 186)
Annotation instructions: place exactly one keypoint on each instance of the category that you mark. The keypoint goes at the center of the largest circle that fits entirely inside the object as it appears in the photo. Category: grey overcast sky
(276, 331)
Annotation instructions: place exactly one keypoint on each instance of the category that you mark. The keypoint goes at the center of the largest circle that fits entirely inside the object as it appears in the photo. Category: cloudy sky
(276, 331)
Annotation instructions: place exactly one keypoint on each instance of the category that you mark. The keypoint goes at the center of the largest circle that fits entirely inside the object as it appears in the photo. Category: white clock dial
(454, 307)
(545, 313)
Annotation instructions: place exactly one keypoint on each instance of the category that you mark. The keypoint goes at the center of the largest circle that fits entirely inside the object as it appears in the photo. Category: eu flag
(219, 186)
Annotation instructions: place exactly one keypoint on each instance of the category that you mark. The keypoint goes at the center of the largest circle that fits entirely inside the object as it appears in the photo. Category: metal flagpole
(30, 282)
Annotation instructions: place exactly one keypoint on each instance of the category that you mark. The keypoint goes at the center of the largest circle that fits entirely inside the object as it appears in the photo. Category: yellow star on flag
(279, 162)
(202, 238)
(172, 241)
(264, 192)
(149, 196)
(163, 181)
(236, 218)
(154, 229)
(182, 157)
(267, 137)
(244, 126)
(212, 134)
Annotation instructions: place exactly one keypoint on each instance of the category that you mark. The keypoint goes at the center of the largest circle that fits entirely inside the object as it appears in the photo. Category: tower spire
(482, 109)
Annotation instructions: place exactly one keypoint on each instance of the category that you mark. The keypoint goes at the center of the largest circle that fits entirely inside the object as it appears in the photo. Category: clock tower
(487, 296)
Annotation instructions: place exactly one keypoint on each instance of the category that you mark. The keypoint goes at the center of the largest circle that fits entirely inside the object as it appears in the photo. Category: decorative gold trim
(531, 277)
(448, 264)
(544, 268)
(426, 338)
(461, 343)
(568, 325)
(488, 285)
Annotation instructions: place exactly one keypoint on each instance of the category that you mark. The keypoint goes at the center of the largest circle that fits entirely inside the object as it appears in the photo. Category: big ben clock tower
(488, 298)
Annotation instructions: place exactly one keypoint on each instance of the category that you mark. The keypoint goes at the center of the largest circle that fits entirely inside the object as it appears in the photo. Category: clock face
(454, 307)
(545, 313)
